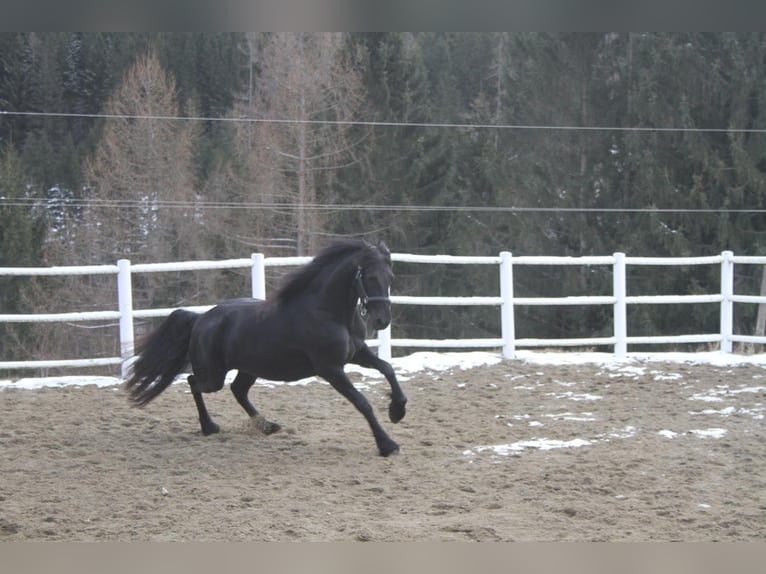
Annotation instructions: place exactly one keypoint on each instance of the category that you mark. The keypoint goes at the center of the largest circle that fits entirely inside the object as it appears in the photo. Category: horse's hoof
(396, 452)
(392, 449)
(396, 412)
(211, 428)
(264, 426)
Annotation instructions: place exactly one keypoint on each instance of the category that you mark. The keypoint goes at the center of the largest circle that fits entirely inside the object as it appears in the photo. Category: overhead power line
(117, 203)
(388, 124)
(138, 204)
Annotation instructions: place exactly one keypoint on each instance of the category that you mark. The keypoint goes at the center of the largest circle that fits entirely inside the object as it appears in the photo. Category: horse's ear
(383, 248)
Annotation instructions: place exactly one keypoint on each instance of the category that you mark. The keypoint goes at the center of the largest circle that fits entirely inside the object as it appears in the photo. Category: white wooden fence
(505, 301)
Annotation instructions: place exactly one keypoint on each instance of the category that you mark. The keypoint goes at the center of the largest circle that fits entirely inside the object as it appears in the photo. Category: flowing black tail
(161, 357)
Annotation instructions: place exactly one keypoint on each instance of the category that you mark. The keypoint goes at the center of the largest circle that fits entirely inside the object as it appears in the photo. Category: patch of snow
(710, 433)
(575, 396)
(67, 381)
(581, 417)
(517, 447)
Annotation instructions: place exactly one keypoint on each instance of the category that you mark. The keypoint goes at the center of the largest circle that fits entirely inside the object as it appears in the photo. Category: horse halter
(364, 299)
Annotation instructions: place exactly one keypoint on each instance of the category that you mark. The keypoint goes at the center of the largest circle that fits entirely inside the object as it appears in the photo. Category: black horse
(314, 325)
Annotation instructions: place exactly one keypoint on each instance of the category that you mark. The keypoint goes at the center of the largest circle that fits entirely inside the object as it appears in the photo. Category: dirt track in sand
(664, 452)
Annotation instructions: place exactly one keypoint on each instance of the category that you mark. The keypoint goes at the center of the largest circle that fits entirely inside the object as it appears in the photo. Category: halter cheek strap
(362, 292)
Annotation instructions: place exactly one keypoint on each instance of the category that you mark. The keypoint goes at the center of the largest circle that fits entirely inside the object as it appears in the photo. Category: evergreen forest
(184, 146)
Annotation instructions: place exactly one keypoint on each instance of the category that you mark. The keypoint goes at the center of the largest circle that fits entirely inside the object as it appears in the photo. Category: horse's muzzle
(379, 315)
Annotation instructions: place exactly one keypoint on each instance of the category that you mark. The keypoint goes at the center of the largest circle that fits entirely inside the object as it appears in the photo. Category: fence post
(727, 305)
(125, 307)
(507, 325)
(384, 344)
(258, 276)
(620, 306)
(384, 338)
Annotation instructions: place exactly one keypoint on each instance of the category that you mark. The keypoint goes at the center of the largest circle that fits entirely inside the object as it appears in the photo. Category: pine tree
(22, 229)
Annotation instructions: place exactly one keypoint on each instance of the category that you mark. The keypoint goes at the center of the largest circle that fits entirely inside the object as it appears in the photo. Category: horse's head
(372, 281)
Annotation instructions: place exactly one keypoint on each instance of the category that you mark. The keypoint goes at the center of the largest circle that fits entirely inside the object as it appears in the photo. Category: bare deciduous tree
(289, 164)
(141, 176)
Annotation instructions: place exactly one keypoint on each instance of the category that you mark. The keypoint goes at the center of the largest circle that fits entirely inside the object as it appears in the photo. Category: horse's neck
(338, 294)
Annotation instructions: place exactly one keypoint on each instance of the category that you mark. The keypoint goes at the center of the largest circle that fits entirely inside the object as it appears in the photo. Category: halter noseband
(362, 292)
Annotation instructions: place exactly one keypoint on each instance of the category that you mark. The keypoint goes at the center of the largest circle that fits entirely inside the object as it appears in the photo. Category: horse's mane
(339, 250)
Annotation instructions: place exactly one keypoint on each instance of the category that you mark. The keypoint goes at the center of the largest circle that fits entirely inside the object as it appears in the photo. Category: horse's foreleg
(240, 387)
(341, 383)
(365, 358)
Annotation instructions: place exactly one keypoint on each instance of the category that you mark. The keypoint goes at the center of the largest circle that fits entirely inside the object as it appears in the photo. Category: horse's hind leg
(197, 388)
(240, 387)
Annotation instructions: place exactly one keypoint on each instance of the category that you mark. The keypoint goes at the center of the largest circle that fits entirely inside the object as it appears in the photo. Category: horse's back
(241, 303)
(217, 327)
(227, 309)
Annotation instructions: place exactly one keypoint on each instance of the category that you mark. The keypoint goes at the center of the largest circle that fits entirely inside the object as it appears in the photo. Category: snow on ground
(405, 367)
(636, 364)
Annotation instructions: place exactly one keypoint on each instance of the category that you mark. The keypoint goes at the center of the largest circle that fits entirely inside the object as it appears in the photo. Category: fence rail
(126, 313)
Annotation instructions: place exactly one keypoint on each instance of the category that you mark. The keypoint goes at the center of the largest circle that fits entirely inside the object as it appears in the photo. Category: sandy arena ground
(513, 451)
